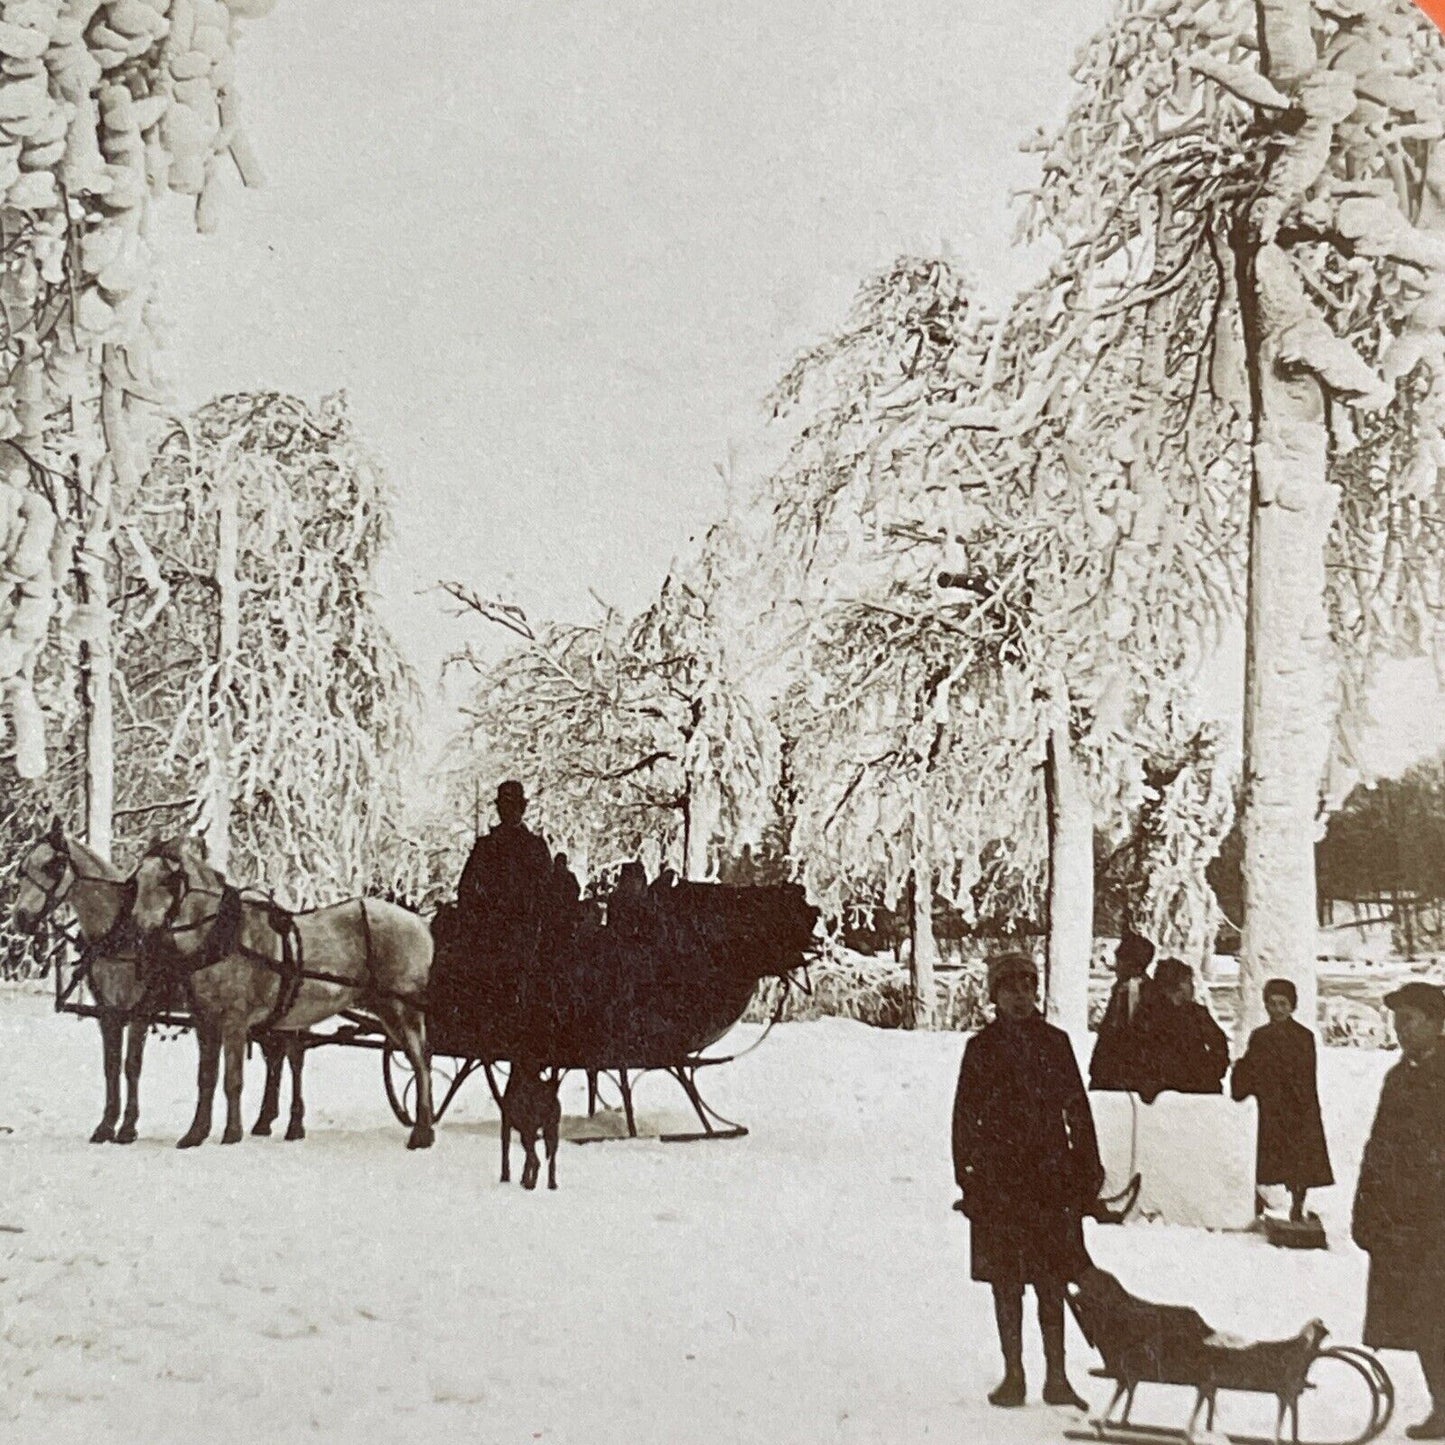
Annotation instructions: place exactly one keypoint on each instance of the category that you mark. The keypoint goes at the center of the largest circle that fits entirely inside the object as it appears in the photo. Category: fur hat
(1170, 971)
(1429, 998)
(1282, 988)
(1010, 965)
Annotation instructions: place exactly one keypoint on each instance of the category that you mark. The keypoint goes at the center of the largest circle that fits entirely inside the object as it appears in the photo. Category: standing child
(1027, 1163)
(1279, 1071)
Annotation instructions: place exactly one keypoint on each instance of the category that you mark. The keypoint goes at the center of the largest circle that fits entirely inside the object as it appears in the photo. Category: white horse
(56, 872)
(247, 964)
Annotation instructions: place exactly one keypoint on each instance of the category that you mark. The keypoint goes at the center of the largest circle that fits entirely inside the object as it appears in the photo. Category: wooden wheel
(448, 1074)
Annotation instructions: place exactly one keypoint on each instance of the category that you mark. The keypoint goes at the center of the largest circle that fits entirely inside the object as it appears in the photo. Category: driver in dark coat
(508, 875)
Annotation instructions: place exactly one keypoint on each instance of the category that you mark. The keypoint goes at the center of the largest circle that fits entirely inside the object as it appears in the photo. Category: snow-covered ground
(807, 1283)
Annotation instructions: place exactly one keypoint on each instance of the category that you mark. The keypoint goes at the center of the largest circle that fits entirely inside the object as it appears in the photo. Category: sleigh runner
(614, 1001)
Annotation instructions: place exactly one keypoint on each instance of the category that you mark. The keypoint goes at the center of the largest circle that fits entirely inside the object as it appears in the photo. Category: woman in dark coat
(1115, 1061)
(1181, 1046)
(1399, 1217)
(1027, 1162)
(1279, 1070)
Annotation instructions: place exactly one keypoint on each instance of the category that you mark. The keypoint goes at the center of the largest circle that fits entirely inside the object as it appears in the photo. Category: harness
(223, 940)
(111, 943)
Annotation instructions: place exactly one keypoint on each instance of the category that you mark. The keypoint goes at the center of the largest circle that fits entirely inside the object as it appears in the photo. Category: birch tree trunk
(116, 470)
(923, 947)
(1071, 888)
(228, 602)
(1289, 691)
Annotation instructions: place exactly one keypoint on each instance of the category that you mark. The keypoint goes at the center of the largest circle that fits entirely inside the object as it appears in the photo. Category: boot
(1011, 1391)
(1057, 1389)
(1432, 1427)
(1008, 1312)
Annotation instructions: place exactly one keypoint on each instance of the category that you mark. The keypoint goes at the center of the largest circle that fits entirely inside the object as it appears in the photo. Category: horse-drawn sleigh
(175, 944)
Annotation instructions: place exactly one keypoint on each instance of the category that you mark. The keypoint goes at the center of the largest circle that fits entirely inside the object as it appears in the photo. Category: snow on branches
(972, 519)
(1267, 173)
(105, 107)
(290, 721)
(634, 737)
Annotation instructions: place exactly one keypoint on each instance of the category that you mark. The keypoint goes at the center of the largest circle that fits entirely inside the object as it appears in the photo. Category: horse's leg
(208, 1041)
(533, 1166)
(406, 1024)
(234, 1037)
(135, 1047)
(273, 1050)
(296, 1057)
(112, 1025)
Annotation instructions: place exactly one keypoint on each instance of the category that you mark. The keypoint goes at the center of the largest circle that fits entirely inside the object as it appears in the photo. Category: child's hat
(1010, 965)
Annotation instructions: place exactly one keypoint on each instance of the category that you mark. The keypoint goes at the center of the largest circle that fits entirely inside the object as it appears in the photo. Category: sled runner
(1306, 1233)
(1144, 1343)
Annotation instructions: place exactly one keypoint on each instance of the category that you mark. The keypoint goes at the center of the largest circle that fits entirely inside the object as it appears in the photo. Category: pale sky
(558, 251)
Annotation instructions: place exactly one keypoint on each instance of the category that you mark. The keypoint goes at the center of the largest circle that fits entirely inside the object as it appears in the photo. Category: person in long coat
(1116, 1057)
(1399, 1214)
(1279, 1071)
(1181, 1046)
(1027, 1163)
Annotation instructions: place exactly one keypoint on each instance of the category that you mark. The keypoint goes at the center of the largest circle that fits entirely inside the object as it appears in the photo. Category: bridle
(176, 882)
(55, 890)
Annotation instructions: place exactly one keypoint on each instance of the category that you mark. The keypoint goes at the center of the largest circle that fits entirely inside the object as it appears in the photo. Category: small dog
(531, 1107)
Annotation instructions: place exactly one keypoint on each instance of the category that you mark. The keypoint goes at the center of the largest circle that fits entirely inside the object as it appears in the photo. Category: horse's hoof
(296, 1131)
(551, 1184)
(261, 1128)
(126, 1134)
(190, 1141)
(231, 1136)
(104, 1134)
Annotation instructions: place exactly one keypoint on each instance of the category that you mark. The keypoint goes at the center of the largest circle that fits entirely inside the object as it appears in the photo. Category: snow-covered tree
(635, 737)
(1011, 533)
(1255, 186)
(104, 109)
(261, 698)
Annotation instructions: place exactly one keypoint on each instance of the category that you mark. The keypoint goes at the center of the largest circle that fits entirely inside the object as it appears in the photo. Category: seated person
(1182, 1047)
(1116, 1060)
(628, 913)
(566, 891)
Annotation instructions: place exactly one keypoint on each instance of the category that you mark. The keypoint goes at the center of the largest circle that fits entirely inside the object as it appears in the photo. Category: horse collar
(123, 913)
(221, 939)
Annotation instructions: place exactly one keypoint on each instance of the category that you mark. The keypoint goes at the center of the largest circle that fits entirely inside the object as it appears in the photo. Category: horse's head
(173, 885)
(46, 876)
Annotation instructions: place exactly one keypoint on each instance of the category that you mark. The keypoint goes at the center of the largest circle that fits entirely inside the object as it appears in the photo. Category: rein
(222, 940)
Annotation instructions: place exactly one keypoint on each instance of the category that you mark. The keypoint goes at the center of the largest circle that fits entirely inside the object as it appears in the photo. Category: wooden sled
(1306, 1233)
(1143, 1343)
